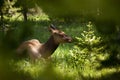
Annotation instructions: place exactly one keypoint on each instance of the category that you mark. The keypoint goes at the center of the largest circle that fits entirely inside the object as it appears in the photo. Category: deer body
(36, 50)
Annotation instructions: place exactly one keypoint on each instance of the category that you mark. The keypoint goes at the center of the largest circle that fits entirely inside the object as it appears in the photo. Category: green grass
(59, 68)
(61, 65)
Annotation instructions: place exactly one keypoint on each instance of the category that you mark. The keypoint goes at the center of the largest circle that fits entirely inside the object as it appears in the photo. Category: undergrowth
(76, 61)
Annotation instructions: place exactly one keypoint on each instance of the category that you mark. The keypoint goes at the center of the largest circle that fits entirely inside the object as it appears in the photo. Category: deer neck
(50, 46)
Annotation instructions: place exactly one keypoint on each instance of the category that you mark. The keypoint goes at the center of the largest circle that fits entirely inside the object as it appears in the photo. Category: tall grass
(60, 67)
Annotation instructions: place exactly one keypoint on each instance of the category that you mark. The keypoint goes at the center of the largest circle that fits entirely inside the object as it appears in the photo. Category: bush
(87, 51)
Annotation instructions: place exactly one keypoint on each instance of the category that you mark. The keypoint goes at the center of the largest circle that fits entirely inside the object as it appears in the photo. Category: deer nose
(69, 39)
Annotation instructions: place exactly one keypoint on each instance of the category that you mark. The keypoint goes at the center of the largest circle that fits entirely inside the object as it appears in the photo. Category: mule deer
(36, 50)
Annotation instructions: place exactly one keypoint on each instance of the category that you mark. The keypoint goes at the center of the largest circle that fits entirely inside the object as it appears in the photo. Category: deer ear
(52, 28)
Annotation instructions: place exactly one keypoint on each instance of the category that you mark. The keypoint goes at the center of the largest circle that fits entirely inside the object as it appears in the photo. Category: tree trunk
(25, 10)
(2, 23)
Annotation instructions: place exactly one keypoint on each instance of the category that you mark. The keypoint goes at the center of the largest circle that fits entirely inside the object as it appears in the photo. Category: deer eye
(64, 35)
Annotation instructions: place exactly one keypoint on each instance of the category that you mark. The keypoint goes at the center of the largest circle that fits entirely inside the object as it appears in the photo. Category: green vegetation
(77, 61)
(93, 55)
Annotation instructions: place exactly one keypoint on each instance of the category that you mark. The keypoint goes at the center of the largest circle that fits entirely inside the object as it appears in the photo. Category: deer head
(59, 36)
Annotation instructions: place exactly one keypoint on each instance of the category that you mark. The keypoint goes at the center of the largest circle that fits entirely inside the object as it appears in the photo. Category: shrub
(87, 51)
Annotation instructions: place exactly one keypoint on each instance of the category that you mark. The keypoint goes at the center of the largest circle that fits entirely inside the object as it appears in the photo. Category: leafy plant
(86, 51)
